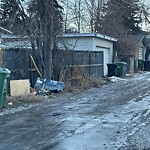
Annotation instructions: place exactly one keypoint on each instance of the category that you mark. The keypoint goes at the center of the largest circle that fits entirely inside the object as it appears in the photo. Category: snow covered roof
(8, 36)
(12, 41)
(96, 35)
(9, 40)
(5, 30)
(15, 44)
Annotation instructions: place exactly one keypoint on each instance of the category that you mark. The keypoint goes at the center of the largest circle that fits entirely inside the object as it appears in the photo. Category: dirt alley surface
(113, 117)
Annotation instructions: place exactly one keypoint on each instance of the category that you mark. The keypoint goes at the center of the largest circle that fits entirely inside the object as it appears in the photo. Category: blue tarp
(49, 84)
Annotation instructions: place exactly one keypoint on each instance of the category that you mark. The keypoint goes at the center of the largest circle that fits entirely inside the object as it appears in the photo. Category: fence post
(131, 65)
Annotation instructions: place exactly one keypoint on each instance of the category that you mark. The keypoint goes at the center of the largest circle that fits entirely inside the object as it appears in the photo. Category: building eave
(96, 35)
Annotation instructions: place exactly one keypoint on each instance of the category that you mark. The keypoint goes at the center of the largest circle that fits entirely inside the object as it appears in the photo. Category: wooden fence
(18, 61)
(90, 61)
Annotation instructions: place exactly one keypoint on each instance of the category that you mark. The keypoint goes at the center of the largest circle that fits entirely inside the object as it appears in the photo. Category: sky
(144, 26)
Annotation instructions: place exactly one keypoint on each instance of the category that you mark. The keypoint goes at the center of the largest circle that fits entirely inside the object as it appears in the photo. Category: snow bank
(116, 79)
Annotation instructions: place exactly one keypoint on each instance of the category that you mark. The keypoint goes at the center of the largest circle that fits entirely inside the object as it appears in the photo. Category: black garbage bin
(112, 68)
(147, 65)
(141, 64)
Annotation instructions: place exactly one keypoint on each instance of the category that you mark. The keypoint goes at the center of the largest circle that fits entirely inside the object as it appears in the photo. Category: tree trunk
(48, 41)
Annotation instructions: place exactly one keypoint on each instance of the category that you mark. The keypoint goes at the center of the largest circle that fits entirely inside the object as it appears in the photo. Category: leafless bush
(88, 82)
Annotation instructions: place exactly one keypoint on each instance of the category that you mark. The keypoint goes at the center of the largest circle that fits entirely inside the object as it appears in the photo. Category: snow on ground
(83, 125)
(18, 109)
(127, 120)
(136, 76)
(110, 130)
(115, 79)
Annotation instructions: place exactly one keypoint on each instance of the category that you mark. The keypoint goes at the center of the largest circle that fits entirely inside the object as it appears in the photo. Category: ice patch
(19, 109)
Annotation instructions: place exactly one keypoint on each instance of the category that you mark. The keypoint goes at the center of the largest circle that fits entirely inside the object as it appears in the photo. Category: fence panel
(18, 61)
(91, 62)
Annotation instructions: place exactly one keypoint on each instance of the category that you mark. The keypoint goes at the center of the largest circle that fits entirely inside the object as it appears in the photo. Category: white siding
(100, 43)
(140, 53)
(80, 43)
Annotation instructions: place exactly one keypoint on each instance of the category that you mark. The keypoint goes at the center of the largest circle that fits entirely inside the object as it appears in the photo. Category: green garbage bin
(121, 69)
(141, 64)
(4, 75)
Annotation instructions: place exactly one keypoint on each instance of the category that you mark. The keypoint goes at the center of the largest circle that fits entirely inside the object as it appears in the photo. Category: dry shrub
(94, 82)
(65, 74)
(76, 81)
(80, 84)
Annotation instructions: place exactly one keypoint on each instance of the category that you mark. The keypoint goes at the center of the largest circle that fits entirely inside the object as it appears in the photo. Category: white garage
(89, 42)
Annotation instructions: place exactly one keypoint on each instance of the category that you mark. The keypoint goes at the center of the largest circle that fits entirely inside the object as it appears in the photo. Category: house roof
(148, 40)
(5, 30)
(143, 38)
(96, 35)
(15, 44)
(9, 40)
(139, 37)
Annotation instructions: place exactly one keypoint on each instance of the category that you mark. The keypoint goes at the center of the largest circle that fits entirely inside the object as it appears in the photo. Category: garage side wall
(77, 43)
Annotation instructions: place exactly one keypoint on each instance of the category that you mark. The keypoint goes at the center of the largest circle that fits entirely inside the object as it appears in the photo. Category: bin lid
(123, 63)
(5, 71)
(112, 64)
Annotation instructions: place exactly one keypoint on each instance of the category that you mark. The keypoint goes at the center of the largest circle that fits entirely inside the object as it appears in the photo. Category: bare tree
(73, 17)
(122, 19)
(82, 14)
(40, 26)
(95, 11)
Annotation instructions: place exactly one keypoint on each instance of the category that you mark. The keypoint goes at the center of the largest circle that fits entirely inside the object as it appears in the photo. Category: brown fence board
(90, 61)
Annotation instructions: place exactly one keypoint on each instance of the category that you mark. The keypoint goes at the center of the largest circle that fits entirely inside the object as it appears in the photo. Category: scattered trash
(34, 93)
(43, 92)
(56, 114)
(46, 87)
(10, 103)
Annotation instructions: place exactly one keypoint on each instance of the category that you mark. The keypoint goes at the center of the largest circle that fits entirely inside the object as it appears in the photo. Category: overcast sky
(72, 23)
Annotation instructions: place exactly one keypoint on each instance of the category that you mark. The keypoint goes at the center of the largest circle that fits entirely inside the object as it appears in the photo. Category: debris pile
(46, 87)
